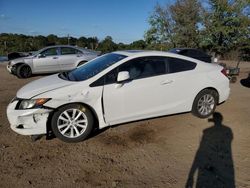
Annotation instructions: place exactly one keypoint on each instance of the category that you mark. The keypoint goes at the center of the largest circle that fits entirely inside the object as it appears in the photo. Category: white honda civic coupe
(116, 88)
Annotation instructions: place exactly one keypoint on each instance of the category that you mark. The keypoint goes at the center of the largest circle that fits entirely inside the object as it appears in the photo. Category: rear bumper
(224, 90)
(27, 122)
(224, 95)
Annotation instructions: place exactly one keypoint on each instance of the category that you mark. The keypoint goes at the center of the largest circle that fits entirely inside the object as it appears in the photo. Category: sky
(124, 20)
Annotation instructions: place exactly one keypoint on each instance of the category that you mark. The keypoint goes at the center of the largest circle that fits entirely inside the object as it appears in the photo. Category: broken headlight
(32, 103)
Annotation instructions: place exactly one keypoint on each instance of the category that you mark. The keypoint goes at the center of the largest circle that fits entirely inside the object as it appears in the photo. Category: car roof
(142, 53)
(54, 46)
(185, 49)
(70, 46)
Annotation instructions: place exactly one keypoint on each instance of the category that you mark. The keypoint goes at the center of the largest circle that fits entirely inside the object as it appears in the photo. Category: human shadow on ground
(246, 82)
(213, 160)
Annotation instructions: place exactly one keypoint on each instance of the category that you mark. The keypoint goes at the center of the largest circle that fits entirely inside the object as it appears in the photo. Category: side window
(111, 77)
(139, 68)
(68, 51)
(144, 67)
(49, 52)
(179, 65)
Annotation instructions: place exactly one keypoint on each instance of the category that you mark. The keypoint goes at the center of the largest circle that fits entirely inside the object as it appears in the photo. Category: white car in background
(51, 59)
(116, 88)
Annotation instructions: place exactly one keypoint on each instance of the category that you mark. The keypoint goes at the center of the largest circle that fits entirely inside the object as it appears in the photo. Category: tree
(107, 45)
(52, 39)
(186, 15)
(176, 25)
(82, 42)
(227, 25)
(138, 45)
(92, 42)
(122, 46)
(161, 26)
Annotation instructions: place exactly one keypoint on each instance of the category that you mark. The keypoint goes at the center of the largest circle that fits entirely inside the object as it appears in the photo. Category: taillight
(224, 71)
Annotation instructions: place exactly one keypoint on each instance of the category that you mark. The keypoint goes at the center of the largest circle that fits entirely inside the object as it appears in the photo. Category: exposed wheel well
(81, 62)
(48, 125)
(18, 64)
(211, 88)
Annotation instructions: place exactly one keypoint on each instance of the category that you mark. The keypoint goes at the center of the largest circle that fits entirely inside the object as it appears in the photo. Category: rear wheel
(72, 123)
(23, 71)
(205, 103)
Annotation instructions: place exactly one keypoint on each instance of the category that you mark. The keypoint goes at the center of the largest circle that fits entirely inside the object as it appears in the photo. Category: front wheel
(23, 71)
(205, 103)
(72, 123)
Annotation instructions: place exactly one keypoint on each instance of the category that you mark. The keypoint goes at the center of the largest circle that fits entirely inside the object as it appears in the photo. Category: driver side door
(47, 61)
(140, 97)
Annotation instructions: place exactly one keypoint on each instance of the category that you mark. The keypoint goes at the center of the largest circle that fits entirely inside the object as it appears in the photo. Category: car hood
(42, 85)
(21, 59)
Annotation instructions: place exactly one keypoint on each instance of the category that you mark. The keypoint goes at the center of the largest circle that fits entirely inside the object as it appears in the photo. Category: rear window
(179, 65)
(68, 51)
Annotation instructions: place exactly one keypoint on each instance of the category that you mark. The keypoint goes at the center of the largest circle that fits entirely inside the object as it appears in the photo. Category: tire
(23, 71)
(205, 103)
(72, 123)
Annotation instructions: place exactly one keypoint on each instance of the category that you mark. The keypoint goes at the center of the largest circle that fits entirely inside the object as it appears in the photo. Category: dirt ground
(172, 151)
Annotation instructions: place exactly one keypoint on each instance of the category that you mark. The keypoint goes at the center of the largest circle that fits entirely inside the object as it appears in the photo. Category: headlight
(32, 103)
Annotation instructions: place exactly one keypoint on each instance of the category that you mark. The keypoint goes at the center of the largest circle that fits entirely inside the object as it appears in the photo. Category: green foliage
(139, 44)
(161, 29)
(186, 15)
(175, 25)
(227, 26)
(107, 45)
(219, 26)
(23, 43)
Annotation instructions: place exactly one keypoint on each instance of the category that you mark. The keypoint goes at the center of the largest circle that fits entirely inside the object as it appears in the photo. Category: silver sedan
(51, 59)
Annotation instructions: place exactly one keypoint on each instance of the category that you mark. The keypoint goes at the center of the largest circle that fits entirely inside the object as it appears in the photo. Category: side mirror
(123, 76)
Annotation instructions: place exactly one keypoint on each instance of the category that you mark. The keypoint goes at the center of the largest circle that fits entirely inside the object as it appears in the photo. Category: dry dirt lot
(161, 152)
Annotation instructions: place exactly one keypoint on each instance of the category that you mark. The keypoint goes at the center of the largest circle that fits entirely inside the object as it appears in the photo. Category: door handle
(166, 82)
(55, 57)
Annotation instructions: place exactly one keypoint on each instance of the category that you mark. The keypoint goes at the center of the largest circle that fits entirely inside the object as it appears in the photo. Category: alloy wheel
(26, 71)
(206, 104)
(72, 123)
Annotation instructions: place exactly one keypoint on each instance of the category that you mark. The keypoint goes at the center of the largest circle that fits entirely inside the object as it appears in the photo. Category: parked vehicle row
(116, 88)
(51, 59)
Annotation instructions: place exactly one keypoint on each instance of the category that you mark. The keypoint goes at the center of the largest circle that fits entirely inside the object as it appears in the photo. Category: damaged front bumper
(28, 122)
(11, 69)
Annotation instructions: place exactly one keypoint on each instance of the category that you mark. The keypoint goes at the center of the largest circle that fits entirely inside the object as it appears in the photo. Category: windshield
(37, 52)
(92, 68)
